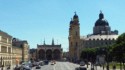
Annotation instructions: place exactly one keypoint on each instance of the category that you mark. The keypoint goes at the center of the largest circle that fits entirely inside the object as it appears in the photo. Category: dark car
(38, 67)
(46, 62)
(17, 68)
(82, 68)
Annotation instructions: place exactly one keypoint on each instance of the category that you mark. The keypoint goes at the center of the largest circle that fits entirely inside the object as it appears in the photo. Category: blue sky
(34, 20)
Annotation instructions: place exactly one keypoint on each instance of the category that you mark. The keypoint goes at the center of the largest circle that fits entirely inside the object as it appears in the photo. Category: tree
(119, 49)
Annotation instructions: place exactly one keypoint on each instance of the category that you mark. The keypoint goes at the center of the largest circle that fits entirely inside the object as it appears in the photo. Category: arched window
(89, 39)
(71, 44)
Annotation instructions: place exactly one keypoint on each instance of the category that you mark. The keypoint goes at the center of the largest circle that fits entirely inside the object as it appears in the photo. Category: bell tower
(74, 38)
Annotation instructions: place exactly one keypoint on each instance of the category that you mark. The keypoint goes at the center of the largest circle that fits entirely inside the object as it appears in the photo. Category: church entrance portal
(41, 54)
(49, 54)
(56, 54)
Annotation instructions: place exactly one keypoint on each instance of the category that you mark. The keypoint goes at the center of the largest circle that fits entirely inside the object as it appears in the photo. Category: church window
(109, 39)
(101, 39)
(71, 44)
(97, 39)
(106, 43)
(89, 39)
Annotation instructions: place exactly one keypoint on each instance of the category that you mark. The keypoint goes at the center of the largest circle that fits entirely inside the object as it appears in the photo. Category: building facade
(23, 50)
(33, 54)
(16, 55)
(49, 52)
(5, 49)
(101, 36)
(12, 51)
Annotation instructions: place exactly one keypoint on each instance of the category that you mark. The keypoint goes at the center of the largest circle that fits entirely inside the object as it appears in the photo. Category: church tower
(74, 38)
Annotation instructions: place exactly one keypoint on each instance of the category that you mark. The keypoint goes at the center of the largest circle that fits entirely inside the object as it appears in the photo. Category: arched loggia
(41, 54)
(49, 54)
(56, 54)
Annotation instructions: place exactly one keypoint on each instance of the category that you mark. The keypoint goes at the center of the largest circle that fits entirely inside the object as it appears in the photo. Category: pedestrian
(8, 68)
(103, 67)
(114, 67)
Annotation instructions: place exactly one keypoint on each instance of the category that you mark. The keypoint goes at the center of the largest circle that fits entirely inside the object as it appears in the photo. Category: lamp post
(1, 62)
(107, 55)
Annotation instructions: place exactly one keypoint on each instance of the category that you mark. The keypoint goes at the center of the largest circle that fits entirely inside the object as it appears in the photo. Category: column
(52, 53)
(11, 49)
(0, 47)
(0, 38)
(7, 49)
(7, 41)
(45, 54)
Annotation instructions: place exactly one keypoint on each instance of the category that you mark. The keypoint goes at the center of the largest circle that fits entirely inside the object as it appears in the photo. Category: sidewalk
(11, 68)
(95, 67)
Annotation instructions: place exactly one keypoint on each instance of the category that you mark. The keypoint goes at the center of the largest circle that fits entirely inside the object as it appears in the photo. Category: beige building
(23, 50)
(33, 54)
(17, 54)
(5, 49)
(101, 36)
(12, 51)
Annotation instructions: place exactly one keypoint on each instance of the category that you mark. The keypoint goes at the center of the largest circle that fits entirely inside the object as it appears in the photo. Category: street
(66, 66)
(63, 66)
(59, 66)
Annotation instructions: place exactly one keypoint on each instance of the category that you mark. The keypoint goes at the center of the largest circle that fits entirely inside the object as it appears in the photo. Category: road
(59, 66)
(66, 66)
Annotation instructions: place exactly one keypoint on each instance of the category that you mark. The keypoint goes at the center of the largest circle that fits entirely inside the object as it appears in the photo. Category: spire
(75, 17)
(101, 16)
(75, 12)
(52, 41)
(44, 42)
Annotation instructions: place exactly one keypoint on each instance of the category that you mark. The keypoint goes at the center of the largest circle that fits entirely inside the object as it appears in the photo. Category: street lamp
(107, 55)
(1, 62)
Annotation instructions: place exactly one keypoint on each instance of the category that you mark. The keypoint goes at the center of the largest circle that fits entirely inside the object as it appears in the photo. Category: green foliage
(113, 52)
(118, 49)
(120, 39)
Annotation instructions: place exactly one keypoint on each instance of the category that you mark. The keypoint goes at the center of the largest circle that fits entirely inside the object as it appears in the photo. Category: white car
(52, 63)
(26, 66)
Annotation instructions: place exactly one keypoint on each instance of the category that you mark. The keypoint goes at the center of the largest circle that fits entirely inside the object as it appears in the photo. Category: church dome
(101, 21)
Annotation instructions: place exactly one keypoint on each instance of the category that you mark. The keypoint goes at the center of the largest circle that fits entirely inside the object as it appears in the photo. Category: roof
(2, 33)
(49, 45)
(99, 37)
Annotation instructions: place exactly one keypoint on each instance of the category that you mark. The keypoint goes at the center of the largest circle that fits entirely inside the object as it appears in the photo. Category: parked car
(17, 67)
(52, 63)
(25, 66)
(38, 67)
(82, 68)
(46, 62)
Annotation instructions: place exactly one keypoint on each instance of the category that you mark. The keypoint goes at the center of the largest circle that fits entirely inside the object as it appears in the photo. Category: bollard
(103, 67)
(114, 67)
(92, 68)
(107, 67)
(124, 67)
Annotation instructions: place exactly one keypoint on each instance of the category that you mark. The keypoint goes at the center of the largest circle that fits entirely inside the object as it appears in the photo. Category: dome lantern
(101, 21)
